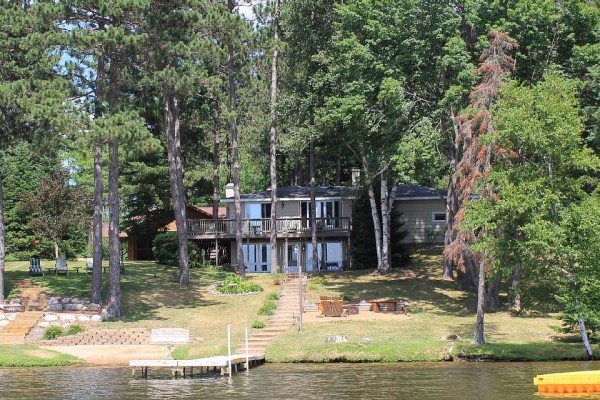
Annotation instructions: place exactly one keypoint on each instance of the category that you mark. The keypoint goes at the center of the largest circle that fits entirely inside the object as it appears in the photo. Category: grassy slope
(436, 309)
(152, 298)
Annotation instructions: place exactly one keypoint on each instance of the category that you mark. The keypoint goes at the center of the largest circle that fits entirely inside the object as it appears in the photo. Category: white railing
(258, 226)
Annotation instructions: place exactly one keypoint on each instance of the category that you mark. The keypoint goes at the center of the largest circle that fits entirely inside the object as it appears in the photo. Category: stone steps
(16, 330)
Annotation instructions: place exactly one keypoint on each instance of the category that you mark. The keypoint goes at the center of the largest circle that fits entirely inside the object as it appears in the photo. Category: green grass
(152, 298)
(33, 356)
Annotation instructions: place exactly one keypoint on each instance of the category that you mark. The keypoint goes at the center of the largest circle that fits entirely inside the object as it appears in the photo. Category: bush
(316, 282)
(277, 278)
(235, 284)
(74, 329)
(166, 248)
(273, 296)
(52, 332)
(268, 308)
(258, 324)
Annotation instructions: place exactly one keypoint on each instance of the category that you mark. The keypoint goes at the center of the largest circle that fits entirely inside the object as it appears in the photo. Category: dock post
(229, 349)
(247, 355)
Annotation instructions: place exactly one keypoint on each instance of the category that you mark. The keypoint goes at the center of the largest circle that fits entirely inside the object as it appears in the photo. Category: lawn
(152, 298)
(33, 356)
(436, 309)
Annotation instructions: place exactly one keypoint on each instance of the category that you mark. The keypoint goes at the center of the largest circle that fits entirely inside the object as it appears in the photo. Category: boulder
(55, 307)
(50, 317)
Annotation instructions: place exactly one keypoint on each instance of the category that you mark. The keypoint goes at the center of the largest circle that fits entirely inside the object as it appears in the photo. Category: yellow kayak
(568, 382)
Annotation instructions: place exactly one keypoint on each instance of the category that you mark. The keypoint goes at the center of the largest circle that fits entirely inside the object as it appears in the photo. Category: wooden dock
(226, 364)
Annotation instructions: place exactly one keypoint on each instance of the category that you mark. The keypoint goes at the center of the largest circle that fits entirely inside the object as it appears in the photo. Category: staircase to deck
(283, 318)
(34, 300)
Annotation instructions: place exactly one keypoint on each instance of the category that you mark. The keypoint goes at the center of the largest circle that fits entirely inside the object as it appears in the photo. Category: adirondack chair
(89, 265)
(61, 266)
(332, 308)
(35, 267)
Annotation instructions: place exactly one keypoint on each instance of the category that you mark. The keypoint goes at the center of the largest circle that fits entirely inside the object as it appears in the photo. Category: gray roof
(301, 192)
(407, 192)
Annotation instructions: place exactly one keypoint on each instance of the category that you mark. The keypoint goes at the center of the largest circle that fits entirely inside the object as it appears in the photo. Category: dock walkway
(183, 367)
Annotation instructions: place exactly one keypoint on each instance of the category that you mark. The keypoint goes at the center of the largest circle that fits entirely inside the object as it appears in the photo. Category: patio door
(257, 257)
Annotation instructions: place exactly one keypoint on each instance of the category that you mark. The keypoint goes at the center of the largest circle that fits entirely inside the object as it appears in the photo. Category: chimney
(355, 176)
(229, 190)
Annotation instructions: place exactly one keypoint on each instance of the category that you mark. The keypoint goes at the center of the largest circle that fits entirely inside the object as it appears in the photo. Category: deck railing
(259, 226)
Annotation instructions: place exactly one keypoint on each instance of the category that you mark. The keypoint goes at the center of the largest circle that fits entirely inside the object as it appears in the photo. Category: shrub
(277, 278)
(273, 296)
(74, 329)
(258, 324)
(316, 282)
(166, 248)
(268, 308)
(52, 332)
(235, 284)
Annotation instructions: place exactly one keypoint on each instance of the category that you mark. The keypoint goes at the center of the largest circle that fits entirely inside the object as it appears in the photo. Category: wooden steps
(284, 317)
(15, 331)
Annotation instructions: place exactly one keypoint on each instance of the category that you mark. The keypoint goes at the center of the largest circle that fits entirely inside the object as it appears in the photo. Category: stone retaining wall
(72, 304)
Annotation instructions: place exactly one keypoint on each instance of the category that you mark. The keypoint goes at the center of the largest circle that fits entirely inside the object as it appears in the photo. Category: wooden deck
(183, 367)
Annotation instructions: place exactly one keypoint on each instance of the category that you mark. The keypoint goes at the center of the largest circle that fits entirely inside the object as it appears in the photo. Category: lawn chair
(333, 308)
(35, 267)
(61, 266)
(89, 265)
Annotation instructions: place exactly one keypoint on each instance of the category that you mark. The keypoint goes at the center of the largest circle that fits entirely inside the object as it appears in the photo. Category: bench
(170, 336)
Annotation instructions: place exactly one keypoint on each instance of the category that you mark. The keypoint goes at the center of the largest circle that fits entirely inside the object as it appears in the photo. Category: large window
(327, 213)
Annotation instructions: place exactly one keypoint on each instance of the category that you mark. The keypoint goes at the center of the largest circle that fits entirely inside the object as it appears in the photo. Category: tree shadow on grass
(419, 284)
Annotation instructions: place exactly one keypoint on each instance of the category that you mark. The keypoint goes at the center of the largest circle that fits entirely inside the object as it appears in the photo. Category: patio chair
(35, 267)
(89, 265)
(61, 266)
(333, 308)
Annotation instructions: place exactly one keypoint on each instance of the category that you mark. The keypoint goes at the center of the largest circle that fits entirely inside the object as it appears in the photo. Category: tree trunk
(516, 289)
(273, 142)
(451, 202)
(584, 338)
(338, 168)
(171, 122)
(97, 228)
(376, 226)
(492, 295)
(316, 264)
(385, 229)
(232, 97)
(478, 337)
(215, 197)
(97, 244)
(56, 251)
(2, 249)
(114, 267)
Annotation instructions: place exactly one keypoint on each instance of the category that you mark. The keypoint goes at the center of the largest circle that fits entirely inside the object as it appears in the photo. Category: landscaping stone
(66, 300)
(96, 318)
(4, 322)
(83, 318)
(67, 317)
(50, 317)
(55, 307)
(43, 324)
(336, 339)
(54, 300)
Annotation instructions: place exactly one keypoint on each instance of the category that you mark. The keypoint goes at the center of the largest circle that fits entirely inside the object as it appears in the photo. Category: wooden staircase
(284, 317)
(15, 332)
(34, 301)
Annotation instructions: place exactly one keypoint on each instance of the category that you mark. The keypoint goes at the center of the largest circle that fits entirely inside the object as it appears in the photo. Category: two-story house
(423, 215)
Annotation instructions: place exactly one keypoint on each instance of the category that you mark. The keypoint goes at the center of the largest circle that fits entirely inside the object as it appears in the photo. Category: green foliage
(236, 284)
(316, 282)
(74, 330)
(273, 296)
(52, 332)
(165, 248)
(268, 308)
(258, 324)
(545, 213)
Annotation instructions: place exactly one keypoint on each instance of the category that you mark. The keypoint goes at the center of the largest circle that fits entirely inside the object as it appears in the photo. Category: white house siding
(418, 218)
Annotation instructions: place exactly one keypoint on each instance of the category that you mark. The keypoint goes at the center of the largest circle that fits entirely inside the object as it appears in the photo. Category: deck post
(229, 349)
(247, 355)
(301, 301)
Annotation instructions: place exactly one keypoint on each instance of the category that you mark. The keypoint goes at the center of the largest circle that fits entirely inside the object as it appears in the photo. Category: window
(438, 216)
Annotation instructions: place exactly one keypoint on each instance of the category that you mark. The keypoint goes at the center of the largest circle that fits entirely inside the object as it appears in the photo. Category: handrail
(258, 226)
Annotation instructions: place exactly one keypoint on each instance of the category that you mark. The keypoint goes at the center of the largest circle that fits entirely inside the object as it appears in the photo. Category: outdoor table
(50, 270)
(384, 305)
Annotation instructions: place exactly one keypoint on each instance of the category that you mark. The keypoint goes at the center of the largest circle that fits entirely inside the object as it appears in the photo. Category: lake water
(296, 381)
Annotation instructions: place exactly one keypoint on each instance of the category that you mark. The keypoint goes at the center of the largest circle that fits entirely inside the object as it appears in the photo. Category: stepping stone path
(134, 336)
(34, 300)
(284, 317)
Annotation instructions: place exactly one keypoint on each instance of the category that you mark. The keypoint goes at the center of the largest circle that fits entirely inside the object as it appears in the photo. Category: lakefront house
(422, 213)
